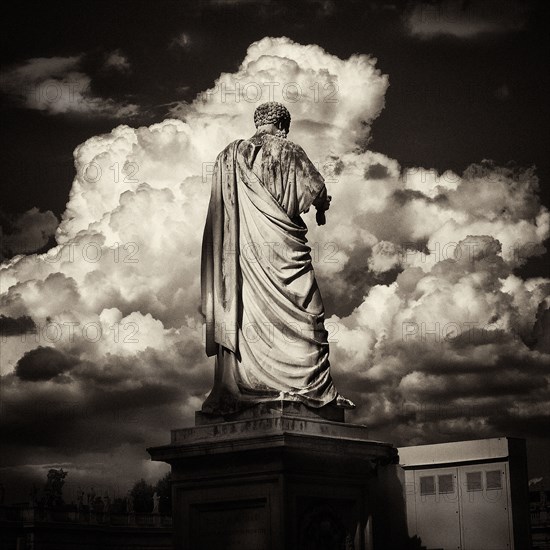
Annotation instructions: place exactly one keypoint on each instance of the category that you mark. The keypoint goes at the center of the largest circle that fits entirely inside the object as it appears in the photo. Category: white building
(468, 495)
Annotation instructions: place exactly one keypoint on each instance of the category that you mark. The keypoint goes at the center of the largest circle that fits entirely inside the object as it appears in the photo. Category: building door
(485, 507)
(437, 508)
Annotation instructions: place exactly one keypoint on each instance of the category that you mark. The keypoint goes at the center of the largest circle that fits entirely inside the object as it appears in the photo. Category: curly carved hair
(271, 113)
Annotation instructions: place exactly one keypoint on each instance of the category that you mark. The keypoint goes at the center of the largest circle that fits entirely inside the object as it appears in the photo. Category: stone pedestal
(281, 476)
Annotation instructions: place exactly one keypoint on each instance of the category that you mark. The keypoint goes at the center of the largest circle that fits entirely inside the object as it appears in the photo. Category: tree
(142, 495)
(164, 490)
(53, 490)
(119, 506)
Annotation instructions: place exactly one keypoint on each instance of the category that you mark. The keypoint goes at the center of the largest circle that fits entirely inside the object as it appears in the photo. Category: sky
(429, 122)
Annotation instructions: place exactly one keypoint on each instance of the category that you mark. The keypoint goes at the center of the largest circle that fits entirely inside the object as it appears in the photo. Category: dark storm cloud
(402, 196)
(27, 232)
(376, 171)
(126, 402)
(117, 61)
(10, 326)
(60, 86)
(43, 363)
(541, 330)
(459, 19)
(508, 423)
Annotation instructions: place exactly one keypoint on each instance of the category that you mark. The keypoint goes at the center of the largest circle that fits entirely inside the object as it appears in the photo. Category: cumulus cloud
(464, 20)
(385, 256)
(57, 85)
(432, 332)
(333, 101)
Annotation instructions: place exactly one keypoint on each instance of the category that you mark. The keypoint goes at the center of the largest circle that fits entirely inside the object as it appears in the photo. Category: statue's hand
(320, 217)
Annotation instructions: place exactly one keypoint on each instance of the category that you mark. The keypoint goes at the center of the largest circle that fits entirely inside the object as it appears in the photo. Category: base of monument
(291, 408)
(280, 476)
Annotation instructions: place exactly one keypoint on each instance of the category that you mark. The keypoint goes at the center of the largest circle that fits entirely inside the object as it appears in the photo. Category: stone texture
(281, 477)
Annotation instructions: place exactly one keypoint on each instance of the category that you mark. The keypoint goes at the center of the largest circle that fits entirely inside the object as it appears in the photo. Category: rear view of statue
(263, 308)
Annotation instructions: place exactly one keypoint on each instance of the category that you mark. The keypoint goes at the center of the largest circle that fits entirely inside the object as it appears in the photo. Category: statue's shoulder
(289, 144)
(228, 150)
(284, 144)
(231, 147)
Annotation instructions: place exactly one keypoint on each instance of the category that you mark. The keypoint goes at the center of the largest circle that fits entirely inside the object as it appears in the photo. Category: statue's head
(272, 115)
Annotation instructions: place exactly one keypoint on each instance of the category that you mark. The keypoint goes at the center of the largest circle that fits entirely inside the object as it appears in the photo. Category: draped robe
(264, 312)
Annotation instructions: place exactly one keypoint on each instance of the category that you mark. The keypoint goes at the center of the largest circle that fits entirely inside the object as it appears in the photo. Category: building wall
(519, 480)
(455, 507)
(468, 496)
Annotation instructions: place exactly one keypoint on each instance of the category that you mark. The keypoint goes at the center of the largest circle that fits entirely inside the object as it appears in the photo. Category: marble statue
(263, 308)
(129, 502)
(156, 500)
(79, 498)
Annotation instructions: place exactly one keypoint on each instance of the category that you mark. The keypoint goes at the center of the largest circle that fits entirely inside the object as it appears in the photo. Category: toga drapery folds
(264, 312)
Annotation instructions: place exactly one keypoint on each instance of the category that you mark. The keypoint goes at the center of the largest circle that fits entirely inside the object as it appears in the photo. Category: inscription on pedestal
(239, 525)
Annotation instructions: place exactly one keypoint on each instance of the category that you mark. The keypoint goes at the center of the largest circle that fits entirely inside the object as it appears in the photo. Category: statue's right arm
(312, 185)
